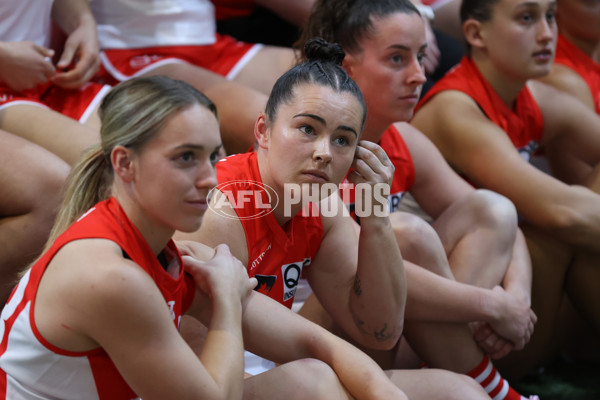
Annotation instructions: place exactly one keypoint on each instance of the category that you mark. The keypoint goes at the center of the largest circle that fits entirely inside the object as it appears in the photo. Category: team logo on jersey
(526, 152)
(266, 281)
(139, 62)
(256, 198)
(291, 275)
(394, 200)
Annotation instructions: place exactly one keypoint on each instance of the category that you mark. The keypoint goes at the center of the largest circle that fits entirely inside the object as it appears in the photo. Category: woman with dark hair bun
(97, 315)
(466, 248)
(280, 210)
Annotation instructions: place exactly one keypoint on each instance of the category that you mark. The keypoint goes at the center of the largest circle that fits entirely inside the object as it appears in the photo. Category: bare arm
(364, 292)
(277, 333)
(436, 185)
(81, 50)
(24, 65)
(434, 298)
(571, 134)
(97, 303)
(482, 151)
(565, 79)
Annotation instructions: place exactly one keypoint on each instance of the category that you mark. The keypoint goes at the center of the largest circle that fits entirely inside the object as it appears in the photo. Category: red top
(523, 123)
(276, 254)
(55, 373)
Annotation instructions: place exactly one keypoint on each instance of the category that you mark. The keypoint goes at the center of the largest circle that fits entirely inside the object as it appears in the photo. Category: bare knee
(494, 210)
(411, 230)
(324, 383)
(300, 379)
(419, 243)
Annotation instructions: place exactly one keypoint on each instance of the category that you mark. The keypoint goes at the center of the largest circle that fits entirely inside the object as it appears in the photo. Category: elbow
(383, 337)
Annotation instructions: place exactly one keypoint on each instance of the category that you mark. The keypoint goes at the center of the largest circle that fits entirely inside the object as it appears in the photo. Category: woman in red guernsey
(489, 116)
(309, 136)
(97, 316)
(576, 67)
(472, 254)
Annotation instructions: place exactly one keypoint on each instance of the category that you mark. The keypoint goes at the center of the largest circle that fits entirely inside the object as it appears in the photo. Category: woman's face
(175, 170)
(580, 18)
(520, 37)
(389, 69)
(313, 137)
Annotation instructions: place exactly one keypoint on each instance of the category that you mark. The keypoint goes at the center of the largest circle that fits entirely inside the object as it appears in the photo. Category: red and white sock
(496, 387)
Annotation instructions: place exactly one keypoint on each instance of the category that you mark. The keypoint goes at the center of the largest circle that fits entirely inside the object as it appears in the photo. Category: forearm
(359, 374)
(223, 350)
(378, 296)
(517, 279)
(274, 332)
(72, 14)
(434, 298)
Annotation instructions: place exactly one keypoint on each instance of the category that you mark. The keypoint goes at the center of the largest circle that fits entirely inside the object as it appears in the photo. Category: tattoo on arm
(382, 335)
(357, 288)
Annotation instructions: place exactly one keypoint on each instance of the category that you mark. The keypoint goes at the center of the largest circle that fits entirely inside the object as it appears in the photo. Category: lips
(200, 203)
(543, 53)
(317, 174)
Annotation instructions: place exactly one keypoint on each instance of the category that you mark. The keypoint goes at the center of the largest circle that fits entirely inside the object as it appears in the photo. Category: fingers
(44, 51)
(85, 64)
(371, 164)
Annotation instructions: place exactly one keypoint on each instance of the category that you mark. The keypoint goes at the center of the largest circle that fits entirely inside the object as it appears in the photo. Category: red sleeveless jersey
(30, 364)
(523, 124)
(276, 254)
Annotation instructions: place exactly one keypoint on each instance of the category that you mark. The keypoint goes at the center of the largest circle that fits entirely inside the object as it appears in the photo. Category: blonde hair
(131, 114)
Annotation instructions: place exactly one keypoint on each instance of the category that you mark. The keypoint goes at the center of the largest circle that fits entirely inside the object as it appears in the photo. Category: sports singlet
(523, 124)
(276, 254)
(404, 173)
(571, 56)
(31, 367)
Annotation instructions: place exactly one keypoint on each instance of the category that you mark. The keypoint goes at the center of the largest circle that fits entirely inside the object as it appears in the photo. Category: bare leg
(478, 233)
(582, 287)
(431, 384)
(30, 194)
(550, 262)
(55, 132)
(238, 105)
(266, 67)
(420, 244)
(301, 379)
(427, 383)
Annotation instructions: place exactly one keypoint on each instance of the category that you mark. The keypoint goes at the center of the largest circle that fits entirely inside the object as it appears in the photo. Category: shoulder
(569, 81)
(96, 270)
(87, 284)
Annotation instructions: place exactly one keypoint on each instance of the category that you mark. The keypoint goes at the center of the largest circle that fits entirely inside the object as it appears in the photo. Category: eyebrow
(322, 120)
(195, 147)
(406, 48)
(535, 4)
(189, 146)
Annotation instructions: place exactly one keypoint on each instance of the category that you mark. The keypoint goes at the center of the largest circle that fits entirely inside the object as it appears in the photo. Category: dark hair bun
(319, 49)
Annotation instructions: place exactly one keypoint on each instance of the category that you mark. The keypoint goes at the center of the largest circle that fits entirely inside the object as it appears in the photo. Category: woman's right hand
(221, 277)
(515, 320)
